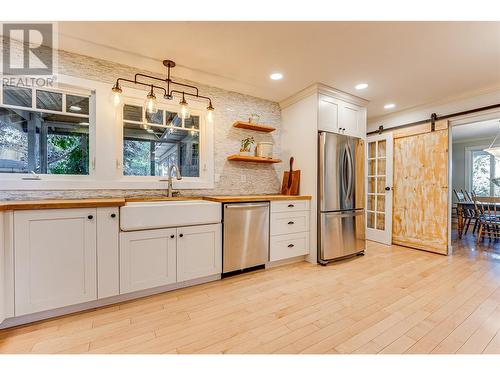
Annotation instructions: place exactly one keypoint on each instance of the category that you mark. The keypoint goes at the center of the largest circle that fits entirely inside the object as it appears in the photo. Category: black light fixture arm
(168, 92)
(140, 83)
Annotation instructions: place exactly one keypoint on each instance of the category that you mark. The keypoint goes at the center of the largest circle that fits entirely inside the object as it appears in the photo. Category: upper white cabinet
(353, 120)
(341, 113)
(199, 251)
(147, 259)
(55, 258)
(329, 114)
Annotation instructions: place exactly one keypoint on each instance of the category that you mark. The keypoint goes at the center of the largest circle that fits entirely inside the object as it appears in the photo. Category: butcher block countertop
(61, 203)
(117, 202)
(255, 198)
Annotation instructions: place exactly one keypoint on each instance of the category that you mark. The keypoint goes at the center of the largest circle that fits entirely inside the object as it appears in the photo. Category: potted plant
(246, 145)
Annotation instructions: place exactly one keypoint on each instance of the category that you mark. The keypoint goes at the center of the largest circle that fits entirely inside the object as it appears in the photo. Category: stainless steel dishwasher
(246, 236)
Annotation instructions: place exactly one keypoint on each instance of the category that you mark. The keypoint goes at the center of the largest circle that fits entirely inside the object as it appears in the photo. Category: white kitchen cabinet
(289, 246)
(353, 120)
(2, 269)
(108, 252)
(199, 251)
(329, 114)
(147, 259)
(55, 258)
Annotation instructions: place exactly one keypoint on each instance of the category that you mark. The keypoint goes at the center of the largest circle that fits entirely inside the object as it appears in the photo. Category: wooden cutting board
(291, 181)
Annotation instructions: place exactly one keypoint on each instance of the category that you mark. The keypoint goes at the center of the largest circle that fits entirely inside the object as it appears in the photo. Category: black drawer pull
(291, 245)
(290, 223)
(90, 217)
(291, 205)
(113, 215)
(172, 236)
(181, 235)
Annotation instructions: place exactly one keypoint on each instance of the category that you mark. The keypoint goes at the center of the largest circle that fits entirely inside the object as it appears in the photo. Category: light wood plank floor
(393, 300)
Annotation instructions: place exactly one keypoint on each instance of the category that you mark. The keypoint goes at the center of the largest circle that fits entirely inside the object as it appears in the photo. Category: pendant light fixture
(150, 103)
(184, 112)
(494, 150)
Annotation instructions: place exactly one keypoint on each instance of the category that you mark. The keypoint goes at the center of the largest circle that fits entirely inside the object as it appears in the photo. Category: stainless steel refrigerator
(341, 213)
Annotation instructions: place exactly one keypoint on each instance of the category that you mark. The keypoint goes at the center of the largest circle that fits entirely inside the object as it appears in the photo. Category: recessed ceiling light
(276, 76)
(75, 108)
(361, 86)
(389, 106)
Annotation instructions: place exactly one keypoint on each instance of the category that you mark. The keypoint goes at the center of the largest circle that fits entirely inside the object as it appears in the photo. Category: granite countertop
(117, 202)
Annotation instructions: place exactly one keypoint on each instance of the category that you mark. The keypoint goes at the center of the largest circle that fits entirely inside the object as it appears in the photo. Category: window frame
(197, 108)
(468, 167)
(15, 180)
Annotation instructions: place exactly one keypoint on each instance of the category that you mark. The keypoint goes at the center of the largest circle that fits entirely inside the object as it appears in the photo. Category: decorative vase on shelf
(253, 118)
(245, 153)
(246, 146)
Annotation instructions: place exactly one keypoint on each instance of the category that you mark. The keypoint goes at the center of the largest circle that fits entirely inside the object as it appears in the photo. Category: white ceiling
(476, 130)
(407, 63)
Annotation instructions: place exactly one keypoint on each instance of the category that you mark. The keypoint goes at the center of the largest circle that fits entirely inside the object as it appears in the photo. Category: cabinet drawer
(289, 246)
(290, 206)
(289, 222)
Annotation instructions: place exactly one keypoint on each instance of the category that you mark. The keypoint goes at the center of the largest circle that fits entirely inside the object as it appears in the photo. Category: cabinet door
(353, 120)
(55, 258)
(147, 259)
(108, 253)
(199, 251)
(329, 111)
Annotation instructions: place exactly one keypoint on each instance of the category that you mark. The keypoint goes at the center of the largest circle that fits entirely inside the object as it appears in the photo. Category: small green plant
(246, 143)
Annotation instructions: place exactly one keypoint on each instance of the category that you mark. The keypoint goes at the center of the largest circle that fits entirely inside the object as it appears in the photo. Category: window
(484, 168)
(154, 142)
(41, 135)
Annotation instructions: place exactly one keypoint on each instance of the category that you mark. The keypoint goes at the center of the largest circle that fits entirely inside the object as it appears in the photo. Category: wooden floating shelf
(256, 127)
(252, 159)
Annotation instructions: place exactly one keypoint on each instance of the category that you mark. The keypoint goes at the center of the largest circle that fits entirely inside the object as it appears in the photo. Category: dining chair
(468, 214)
(488, 211)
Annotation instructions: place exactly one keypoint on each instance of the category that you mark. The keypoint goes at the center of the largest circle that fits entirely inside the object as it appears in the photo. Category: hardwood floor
(392, 300)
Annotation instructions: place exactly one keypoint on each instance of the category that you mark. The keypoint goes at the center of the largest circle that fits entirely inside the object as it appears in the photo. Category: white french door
(379, 164)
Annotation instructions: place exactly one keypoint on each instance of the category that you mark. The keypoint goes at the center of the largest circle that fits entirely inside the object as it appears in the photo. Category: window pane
(49, 100)
(371, 149)
(43, 143)
(150, 151)
(496, 176)
(132, 113)
(77, 104)
(172, 119)
(481, 173)
(19, 96)
(155, 118)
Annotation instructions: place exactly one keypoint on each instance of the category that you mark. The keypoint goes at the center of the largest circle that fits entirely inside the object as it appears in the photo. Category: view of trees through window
(152, 143)
(485, 167)
(43, 143)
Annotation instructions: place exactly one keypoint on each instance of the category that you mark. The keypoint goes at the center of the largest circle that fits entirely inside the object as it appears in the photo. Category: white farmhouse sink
(165, 214)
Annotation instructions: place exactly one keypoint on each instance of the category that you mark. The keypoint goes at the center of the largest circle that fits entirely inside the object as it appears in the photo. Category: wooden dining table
(468, 205)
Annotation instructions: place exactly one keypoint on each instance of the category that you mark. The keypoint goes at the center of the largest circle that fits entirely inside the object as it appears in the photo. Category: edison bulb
(116, 98)
(150, 104)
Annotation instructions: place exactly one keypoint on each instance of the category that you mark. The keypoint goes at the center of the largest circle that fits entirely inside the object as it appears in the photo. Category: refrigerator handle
(349, 172)
(322, 142)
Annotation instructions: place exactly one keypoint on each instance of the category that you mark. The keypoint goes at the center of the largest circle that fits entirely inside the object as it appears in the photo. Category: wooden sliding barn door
(420, 205)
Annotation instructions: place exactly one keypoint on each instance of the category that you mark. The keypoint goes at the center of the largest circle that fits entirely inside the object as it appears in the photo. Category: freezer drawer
(246, 235)
(341, 234)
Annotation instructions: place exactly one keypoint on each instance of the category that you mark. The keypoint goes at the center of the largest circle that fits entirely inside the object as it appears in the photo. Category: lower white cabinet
(289, 229)
(158, 257)
(55, 258)
(147, 259)
(199, 251)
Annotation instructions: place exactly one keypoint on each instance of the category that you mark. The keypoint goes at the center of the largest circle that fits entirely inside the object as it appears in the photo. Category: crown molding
(320, 88)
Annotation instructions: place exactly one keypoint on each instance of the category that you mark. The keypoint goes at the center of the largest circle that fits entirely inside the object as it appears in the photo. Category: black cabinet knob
(290, 223)
(181, 235)
(113, 215)
(90, 217)
(291, 245)
(291, 205)
(172, 236)
(387, 188)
